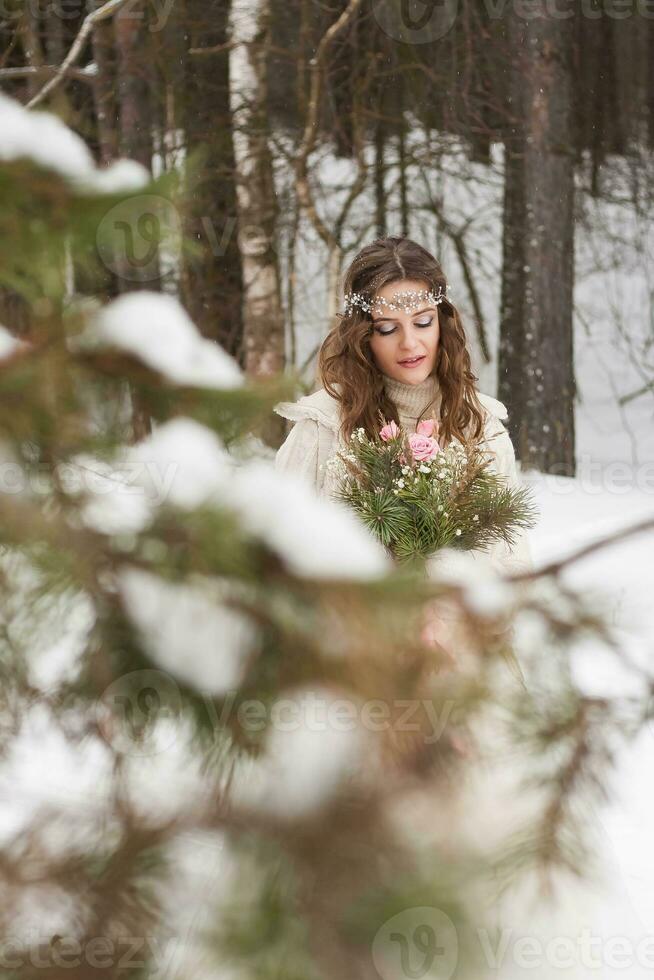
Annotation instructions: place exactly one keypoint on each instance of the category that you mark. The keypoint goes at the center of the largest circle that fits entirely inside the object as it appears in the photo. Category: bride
(399, 348)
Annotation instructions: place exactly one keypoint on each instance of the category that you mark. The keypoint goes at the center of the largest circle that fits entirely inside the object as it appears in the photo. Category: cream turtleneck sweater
(315, 437)
(411, 399)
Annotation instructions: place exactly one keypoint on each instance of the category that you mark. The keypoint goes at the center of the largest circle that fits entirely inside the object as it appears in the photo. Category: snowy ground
(575, 512)
(614, 488)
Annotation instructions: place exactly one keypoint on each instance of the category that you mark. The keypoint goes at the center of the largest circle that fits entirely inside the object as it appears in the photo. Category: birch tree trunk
(263, 319)
(536, 369)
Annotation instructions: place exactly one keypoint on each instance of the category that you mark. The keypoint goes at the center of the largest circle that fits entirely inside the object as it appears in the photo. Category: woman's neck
(411, 399)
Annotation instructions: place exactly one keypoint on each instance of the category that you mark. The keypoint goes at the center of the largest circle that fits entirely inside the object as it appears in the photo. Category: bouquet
(417, 497)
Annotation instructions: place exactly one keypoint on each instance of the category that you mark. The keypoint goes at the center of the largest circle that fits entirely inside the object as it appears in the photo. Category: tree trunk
(536, 369)
(263, 317)
(402, 158)
(135, 141)
(104, 56)
(212, 279)
(380, 167)
(132, 42)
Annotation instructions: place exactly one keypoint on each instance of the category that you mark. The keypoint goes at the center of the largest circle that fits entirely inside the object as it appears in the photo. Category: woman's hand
(439, 629)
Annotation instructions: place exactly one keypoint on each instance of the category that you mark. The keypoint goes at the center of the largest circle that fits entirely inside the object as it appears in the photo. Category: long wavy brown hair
(346, 365)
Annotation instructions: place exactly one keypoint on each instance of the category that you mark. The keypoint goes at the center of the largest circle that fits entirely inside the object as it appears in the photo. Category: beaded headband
(405, 300)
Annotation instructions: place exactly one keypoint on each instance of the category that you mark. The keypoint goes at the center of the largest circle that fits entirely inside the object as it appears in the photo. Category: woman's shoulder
(495, 432)
(493, 406)
(322, 407)
(319, 406)
(496, 435)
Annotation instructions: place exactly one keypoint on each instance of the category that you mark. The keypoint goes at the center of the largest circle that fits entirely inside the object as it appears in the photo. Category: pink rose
(423, 448)
(427, 427)
(389, 431)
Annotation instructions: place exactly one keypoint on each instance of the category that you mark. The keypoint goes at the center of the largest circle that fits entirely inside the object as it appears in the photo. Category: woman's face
(398, 337)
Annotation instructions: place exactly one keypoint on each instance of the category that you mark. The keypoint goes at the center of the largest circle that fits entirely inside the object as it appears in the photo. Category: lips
(412, 362)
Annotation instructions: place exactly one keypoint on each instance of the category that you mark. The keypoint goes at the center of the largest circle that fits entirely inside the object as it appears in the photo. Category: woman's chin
(413, 376)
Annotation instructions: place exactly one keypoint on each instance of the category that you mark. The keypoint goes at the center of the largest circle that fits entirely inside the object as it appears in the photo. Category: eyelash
(387, 333)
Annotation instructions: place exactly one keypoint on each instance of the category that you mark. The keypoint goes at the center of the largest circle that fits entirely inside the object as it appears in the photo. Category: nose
(408, 340)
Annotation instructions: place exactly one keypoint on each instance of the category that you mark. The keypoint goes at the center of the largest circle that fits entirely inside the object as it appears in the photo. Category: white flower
(458, 531)
(476, 517)
(400, 484)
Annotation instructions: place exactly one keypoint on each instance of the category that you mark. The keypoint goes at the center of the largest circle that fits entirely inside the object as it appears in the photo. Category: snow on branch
(156, 329)
(43, 138)
(304, 763)
(316, 538)
(184, 464)
(9, 345)
(188, 630)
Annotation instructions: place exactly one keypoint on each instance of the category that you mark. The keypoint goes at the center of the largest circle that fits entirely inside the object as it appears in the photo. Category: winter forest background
(182, 184)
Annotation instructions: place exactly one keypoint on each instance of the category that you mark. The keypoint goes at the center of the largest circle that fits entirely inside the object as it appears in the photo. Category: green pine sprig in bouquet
(417, 497)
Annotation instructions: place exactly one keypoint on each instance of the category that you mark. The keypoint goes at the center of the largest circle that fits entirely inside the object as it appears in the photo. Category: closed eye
(418, 323)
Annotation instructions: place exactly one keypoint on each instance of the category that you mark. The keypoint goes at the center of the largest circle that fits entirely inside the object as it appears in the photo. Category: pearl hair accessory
(405, 300)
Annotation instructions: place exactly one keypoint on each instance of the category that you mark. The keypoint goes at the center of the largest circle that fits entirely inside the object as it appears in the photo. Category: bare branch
(311, 127)
(457, 235)
(636, 394)
(554, 567)
(214, 48)
(81, 74)
(107, 10)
